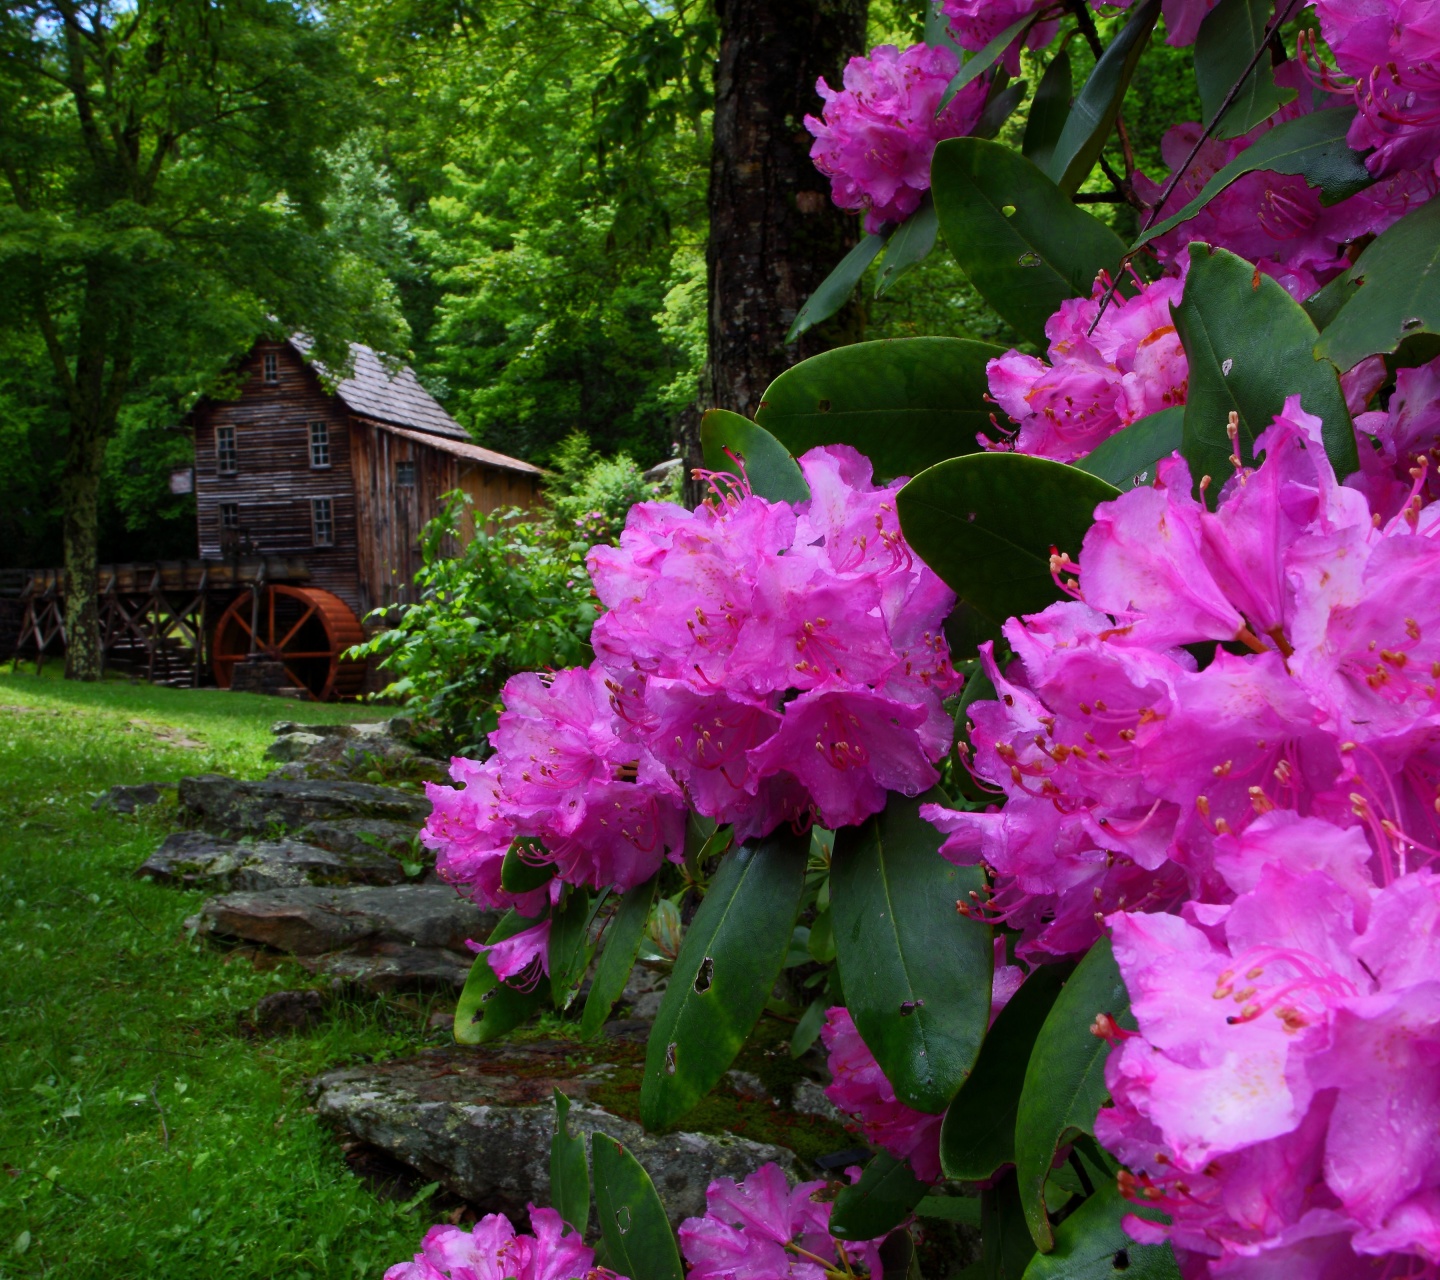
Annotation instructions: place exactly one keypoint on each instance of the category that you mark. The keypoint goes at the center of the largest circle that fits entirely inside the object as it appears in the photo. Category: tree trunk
(774, 233)
(80, 494)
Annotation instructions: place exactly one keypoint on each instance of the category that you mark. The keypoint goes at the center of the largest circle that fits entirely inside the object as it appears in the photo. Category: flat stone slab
(384, 968)
(367, 835)
(311, 921)
(236, 807)
(480, 1122)
(198, 860)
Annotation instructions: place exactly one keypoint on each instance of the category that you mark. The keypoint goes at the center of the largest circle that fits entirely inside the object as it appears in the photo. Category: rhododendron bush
(1061, 721)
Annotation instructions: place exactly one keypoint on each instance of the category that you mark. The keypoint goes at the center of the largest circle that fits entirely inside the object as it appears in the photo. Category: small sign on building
(182, 480)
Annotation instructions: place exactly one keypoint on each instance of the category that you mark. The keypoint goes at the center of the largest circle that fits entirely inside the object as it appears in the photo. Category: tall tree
(163, 202)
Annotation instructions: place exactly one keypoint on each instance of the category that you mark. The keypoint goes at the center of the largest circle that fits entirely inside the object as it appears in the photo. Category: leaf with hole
(835, 290)
(1049, 110)
(986, 524)
(638, 1240)
(622, 939)
(1093, 116)
(728, 963)
(1091, 1244)
(773, 473)
(904, 403)
(487, 1007)
(1024, 245)
(1228, 38)
(910, 244)
(1129, 457)
(1064, 1082)
(883, 1198)
(916, 974)
(978, 1135)
(569, 1173)
(1250, 345)
(1399, 293)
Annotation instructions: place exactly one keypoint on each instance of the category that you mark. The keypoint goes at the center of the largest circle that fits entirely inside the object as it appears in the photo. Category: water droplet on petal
(1226, 365)
(1030, 259)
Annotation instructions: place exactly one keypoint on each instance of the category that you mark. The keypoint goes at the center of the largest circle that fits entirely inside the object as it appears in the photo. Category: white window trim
(270, 364)
(227, 431)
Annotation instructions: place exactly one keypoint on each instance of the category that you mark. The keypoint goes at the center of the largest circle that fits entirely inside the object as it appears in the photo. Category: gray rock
(809, 1099)
(311, 921)
(382, 968)
(480, 1123)
(126, 799)
(260, 808)
(644, 990)
(282, 1012)
(367, 835)
(197, 860)
(293, 746)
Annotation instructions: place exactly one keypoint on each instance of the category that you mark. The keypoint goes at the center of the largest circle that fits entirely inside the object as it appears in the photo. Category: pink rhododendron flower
(525, 954)
(1281, 1098)
(781, 663)
(975, 23)
(495, 1251)
(879, 131)
(760, 1229)
(1095, 383)
(859, 1088)
(1394, 440)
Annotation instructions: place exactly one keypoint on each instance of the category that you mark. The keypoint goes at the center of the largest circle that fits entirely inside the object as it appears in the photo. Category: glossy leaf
(835, 290)
(486, 1008)
(1091, 1244)
(638, 1240)
(771, 470)
(1250, 345)
(622, 939)
(1312, 146)
(979, 1131)
(1093, 116)
(570, 948)
(1128, 458)
(905, 403)
(883, 1198)
(916, 975)
(1049, 110)
(519, 874)
(1065, 1080)
(961, 1209)
(1322, 307)
(910, 243)
(979, 63)
(999, 109)
(569, 1174)
(1008, 1247)
(807, 1029)
(986, 525)
(728, 963)
(1399, 294)
(1024, 245)
(1228, 39)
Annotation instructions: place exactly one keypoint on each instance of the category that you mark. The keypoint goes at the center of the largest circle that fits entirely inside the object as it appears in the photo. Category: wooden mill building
(344, 479)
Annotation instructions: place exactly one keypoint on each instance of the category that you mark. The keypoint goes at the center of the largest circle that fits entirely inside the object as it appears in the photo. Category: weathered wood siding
(274, 483)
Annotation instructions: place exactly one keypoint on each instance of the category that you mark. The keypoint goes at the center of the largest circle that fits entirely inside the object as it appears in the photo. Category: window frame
(319, 457)
(228, 509)
(228, 451)
(405, 467)
(317, 523)
(270, 368)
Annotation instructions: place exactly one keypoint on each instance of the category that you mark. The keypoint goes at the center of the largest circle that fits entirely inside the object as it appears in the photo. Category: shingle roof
(373, 392)
(465, 449)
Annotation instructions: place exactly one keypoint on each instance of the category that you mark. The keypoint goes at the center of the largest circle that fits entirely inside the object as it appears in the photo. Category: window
(225, 455)
(405, 474)
(229, 517)
(322, 520)
(271, 364)
(319, 444)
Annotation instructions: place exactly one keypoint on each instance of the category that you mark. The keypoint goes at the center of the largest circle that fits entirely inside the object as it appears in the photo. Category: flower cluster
(761, 1228)
(494, 1251)
(879, 131)
(781, 663)
(860, 1090)
(1096, 382)
(1395, 440)
(975, 23)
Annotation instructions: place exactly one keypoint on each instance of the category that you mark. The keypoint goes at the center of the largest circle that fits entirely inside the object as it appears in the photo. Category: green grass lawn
(142, 1134)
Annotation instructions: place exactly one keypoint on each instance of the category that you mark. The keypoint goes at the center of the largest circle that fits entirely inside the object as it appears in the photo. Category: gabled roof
(371, 391)
(466, 449)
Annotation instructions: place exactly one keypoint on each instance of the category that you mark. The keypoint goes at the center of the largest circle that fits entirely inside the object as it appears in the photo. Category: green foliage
(637, 1234)
(594, 494)
(884, 1197)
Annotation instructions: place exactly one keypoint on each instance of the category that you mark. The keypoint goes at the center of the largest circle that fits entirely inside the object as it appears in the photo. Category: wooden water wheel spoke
(304, 629)
(304, 618)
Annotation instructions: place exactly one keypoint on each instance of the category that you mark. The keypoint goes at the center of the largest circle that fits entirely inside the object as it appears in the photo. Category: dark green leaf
(519, 874)
(1399, 295)
(835, 290)
(772, 472)
(883, 1198)
(916, 974)
(638, 1240)
(910, 243)
(570, 949)
(937, 29)
(962, 1209)
(1092, 1245)
(487, 1008)
(1093, 115)
(999, 109)
(1324, 306)
(1007, 1244)
(1049, 110)
(981, 62)
(1127, 459)
(986, 524)
(807, 1029)
(979, 1131)
(1228, 39)
(1250, 345)
(822, 938)
(569, 1174)
(727, 965)
(1065, 1079)
(905, 403)
(1312, 146)
(898, 1258)
(623, 937)
(1025, 247)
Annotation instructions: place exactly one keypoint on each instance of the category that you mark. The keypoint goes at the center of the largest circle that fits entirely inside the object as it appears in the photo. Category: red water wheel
(306, 629)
